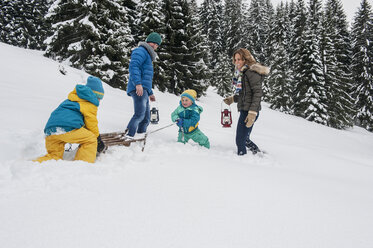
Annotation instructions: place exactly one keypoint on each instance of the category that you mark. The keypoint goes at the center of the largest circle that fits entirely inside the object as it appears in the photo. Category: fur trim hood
(260, 69)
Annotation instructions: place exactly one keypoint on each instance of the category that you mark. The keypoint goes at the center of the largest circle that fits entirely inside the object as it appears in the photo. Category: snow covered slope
(314, 188)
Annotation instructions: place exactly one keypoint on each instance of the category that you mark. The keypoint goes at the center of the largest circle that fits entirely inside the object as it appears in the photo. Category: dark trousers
(243, 135)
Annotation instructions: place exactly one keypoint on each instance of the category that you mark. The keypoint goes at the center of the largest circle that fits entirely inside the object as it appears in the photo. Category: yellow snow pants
(55, 145)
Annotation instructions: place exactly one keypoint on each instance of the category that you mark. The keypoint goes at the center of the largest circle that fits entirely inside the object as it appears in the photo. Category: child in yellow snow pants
(55, 145)
(75, 121)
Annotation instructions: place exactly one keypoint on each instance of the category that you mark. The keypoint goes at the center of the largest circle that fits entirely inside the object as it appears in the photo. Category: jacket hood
(150, 50)
(83, 93)
(200, 109)
(260, 69)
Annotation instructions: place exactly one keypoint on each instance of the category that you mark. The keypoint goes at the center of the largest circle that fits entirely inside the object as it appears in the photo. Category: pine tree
(198, 71)
(132, 9)
(297, 46)
(211, 19)
(337, 75)
(23, 24)
(362, 64)
(269, 13)
(233, 26)
(7, 14)
(292, 32)
(280, 90)
(93, 36)
(271, 43)
(257, 28)
(310, 99)
(213, 26)
(205, 15)
(223, 75)
(174, 47)
(152, 19)
(183, 55)
(211, 15)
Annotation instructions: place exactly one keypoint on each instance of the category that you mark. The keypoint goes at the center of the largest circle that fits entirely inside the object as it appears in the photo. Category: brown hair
(245, 55)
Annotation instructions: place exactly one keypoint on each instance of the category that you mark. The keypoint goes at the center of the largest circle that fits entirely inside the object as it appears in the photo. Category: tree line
(321, 66)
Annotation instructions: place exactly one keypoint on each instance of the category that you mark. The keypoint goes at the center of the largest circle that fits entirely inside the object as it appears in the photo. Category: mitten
(250, 118)
(229, 100)
(180, 122)
(100, 144)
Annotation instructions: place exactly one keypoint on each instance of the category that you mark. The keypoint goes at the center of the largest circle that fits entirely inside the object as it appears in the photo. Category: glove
(229, 100)
(100, 145)
(250, 119)
(180, 122)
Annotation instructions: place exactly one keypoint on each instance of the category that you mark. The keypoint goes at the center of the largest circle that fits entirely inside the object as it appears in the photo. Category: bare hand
(152, 98)
(139, 90)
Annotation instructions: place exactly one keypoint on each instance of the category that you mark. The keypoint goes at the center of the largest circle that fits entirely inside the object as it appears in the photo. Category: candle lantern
(154, 115)
(226, 116)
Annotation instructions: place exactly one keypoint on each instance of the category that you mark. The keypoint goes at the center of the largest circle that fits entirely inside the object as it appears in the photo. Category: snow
(76, 46)
(106, 60)
(313, 188)
(85, 21)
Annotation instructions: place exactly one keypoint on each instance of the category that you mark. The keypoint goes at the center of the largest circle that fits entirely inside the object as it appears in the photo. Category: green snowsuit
(190, 130)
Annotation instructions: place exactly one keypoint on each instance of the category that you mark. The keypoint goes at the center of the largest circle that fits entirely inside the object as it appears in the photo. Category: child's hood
(83, 92)
(199, 109)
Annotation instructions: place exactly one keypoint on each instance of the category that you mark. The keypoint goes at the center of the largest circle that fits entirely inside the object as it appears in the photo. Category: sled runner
(118, 138)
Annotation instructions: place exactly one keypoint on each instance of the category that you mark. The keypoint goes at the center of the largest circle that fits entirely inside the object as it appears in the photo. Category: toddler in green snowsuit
(187, 116)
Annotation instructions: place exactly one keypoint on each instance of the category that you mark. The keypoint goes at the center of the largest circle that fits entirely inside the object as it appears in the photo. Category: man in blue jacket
(140, 83)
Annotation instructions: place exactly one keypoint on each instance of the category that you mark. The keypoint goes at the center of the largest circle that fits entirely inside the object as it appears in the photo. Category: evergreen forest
(321, 65)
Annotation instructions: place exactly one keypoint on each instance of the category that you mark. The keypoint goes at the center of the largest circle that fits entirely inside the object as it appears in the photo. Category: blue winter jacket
(191, 116)
(141, 68)
(80, 109)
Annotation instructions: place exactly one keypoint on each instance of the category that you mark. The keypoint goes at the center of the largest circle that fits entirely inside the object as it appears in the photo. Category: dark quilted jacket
(251, 94)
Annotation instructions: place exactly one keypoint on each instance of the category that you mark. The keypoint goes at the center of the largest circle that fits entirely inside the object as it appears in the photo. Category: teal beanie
(95, 84)
(154, 38)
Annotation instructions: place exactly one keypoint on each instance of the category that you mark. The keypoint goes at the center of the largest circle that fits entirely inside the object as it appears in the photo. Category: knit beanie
(154, 38)
(95, 84)
(191, 94)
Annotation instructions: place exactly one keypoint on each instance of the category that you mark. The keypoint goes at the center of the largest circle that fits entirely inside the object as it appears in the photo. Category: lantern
(154, 115)
(226, 116)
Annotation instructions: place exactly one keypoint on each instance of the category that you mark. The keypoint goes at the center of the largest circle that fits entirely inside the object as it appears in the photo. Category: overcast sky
(350, 6)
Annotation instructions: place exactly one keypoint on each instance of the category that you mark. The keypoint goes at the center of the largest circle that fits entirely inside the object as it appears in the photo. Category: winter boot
(127, 140)
(252, 146)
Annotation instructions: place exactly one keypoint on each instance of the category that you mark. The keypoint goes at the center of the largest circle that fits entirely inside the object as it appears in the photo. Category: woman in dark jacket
(247, 80)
